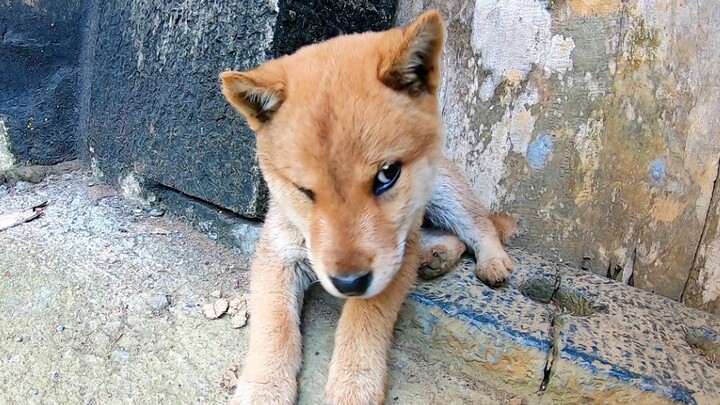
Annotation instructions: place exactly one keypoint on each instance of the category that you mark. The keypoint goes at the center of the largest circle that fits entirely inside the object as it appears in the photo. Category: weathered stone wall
(596, 122)
(155, 107)
(39, 49)
(703, 288)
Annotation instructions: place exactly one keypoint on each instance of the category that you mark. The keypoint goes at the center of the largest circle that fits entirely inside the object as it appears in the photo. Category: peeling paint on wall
(490, 163)
(511, 37)
(514, 35)
(710, 273)
(596, 121)
(588, 145)
(522, 122)
(7, 160)
(667, 209)
(558, 56)
(595, 7)
(703, 148)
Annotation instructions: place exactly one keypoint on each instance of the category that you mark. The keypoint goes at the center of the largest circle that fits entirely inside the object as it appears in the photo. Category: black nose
(352, 284)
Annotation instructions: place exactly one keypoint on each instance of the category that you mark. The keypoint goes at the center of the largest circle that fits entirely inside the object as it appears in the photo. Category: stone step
(553, 333)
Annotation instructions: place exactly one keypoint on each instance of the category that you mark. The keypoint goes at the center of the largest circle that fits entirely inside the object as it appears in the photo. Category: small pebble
(120, 355)
(236, 305)
(216, 294)
(212, 235)
(158, 302)
(156, 212)
(60, 328)
(21, 186)
(516, 401)
(35, 391)
(67, 176)
(18, 339)
(239, 320)
(216, 310)
(229, 379)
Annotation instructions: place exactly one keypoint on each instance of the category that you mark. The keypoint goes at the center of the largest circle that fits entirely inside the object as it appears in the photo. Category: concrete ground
(100, 303)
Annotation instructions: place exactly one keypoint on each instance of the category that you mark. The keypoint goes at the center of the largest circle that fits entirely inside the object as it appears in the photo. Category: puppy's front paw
(440, 253)
(495, 270)
(270, 393)
(355, 387)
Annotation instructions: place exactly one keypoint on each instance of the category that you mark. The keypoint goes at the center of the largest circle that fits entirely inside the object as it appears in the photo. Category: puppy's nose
(352, 284)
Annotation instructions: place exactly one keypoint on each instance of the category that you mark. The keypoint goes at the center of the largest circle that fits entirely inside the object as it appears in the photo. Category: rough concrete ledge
(565, 336)
(553, 333)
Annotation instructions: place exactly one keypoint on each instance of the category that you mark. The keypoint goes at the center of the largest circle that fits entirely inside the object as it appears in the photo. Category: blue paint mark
(539, 151)
(465, 310)
(657, 169)
(648, 384)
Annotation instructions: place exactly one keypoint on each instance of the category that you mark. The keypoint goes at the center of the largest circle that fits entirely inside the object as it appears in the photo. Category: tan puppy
(350, 141)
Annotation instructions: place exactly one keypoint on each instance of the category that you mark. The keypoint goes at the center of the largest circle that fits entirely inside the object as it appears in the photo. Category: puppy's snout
(353, 284)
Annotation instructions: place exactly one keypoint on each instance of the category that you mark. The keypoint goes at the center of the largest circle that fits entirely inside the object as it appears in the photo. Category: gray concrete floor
(100, 303)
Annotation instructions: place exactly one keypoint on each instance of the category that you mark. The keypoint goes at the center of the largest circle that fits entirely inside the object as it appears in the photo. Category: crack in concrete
(164, 188)
(555, 337)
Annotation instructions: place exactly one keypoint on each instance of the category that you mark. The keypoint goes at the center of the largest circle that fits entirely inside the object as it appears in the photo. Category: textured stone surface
(602, 342)
(703, 289)
(155, 105)
(39, 50)
(82, 316)
(499, 331)
(305, 22)
(218, 224)
(635, 339)
(103, 260)
(605, 342)
(572, 114)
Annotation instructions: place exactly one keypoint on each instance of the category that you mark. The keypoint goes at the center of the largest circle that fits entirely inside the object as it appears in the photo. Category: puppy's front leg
(363, 338)
(455, 208)
(269, 375)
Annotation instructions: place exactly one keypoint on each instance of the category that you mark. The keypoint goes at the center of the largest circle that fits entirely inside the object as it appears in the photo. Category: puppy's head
(349, 137)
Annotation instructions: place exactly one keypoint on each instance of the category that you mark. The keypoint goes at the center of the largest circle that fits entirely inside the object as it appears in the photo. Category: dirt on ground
(102, 302)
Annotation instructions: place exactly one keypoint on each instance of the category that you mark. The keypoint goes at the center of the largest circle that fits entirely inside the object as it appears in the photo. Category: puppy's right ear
(257, 94)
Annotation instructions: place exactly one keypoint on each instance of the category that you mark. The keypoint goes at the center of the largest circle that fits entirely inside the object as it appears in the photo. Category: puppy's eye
(386, 177)
(309, 193)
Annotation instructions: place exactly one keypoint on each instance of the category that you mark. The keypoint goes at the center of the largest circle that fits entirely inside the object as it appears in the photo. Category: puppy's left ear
(414, 67)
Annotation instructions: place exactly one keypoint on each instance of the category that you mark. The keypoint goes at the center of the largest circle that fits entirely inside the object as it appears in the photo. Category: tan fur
(327, 118)
(505, 225)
